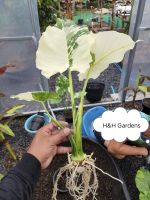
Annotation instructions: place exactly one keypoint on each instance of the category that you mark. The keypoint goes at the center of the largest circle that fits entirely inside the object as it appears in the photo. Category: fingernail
(67, 131)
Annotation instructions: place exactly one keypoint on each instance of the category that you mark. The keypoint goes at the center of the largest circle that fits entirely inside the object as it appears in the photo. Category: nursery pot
(146, 105)
(28, 122)
(108, 188)
(94, 91)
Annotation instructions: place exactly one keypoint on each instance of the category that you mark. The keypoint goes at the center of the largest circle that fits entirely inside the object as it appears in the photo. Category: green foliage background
(48, 12)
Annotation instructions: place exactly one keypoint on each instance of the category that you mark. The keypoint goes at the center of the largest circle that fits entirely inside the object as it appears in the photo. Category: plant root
(81, 178)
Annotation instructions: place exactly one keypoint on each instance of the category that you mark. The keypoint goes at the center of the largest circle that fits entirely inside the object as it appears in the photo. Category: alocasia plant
(74, 48)
(142, 181)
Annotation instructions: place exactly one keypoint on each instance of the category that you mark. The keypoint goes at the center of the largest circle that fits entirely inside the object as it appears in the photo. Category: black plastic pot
(146, 106)
(118, 191)
(94, 91)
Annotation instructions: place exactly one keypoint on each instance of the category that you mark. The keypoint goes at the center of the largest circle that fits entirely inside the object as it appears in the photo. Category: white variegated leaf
(82, 54)
(52, 55)
(109, 47)
(27, 96)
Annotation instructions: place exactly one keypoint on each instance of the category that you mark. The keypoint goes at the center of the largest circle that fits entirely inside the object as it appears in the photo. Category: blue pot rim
(28, 121)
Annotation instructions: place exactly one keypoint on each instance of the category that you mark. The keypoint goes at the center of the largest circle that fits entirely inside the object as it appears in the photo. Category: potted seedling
(74, 48)
(139, 88)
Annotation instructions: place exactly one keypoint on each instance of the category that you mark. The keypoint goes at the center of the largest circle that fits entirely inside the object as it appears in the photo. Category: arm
(19, 183)
(120, 150)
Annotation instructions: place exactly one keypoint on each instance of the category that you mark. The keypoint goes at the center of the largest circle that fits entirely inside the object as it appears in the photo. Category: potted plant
(140, 87)
(74, 48)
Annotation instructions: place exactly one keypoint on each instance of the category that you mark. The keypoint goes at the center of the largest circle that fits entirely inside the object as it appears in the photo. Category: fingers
(62, 150)
(60, 136)
(51, 127)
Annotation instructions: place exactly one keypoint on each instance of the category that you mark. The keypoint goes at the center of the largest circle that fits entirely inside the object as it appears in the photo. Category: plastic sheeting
(19, 34)
(142, 53)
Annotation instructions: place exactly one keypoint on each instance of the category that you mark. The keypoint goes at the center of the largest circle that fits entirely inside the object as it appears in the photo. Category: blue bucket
(29, 120)
(87, 121)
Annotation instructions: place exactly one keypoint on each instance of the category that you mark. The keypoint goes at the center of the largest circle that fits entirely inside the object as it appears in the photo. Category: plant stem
(78, 134)
(72, 97)
(7, 145)
(71, 139)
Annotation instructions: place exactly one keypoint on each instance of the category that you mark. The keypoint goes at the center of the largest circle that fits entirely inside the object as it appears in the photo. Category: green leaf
(14, 108)
(55, 101)
(1, 176)
(44, 96)
(77, 95)
(142, 181)
(5, 129)
(137, 79)
(62, 82)
(1, 137)
(148, 89)
(143, 88)
(145, 196)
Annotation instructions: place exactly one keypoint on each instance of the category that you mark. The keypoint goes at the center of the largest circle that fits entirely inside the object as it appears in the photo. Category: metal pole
(135, 36)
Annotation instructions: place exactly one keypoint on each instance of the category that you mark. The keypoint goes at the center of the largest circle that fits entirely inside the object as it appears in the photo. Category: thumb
(60, 136)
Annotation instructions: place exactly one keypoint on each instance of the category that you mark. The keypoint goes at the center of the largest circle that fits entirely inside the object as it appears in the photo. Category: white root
(81, 179)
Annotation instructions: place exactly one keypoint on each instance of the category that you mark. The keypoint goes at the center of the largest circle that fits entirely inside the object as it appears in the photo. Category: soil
(107, 186)
(137, 105)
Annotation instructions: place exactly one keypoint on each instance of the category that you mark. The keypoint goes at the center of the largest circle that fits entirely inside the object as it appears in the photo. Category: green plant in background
(1, 176)
(139, 87)
(69, 47)
(4, 123)
(62, 88)
(49, 11)
(142, 181)
(6, 130)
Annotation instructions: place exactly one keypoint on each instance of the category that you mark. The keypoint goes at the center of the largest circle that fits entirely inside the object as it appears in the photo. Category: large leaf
(56, 49)
(36, 96)
(109, 47)
(52, 53)
(5, 129)
(142, 180)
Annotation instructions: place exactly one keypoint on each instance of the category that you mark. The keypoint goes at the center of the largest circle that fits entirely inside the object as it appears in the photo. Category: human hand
(44, 145)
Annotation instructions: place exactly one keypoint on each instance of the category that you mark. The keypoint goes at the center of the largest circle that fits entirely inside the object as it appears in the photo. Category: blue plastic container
(87, 121)
(29, 120)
